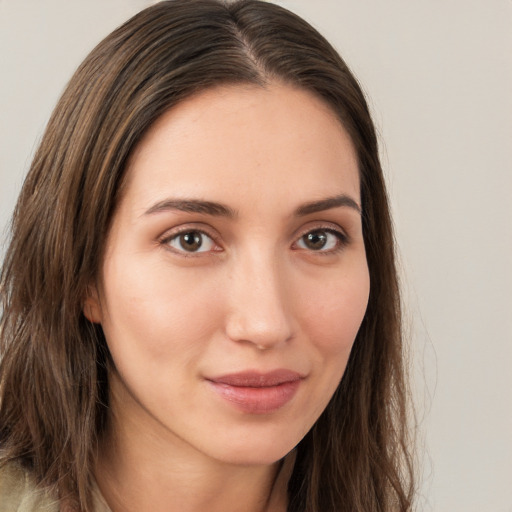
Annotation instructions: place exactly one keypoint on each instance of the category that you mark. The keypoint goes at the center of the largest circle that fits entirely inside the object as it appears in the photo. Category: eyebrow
(327, 204)
(193, 206)
(221, 210)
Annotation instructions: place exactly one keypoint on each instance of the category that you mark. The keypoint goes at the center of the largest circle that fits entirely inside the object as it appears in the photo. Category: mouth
(254, 392)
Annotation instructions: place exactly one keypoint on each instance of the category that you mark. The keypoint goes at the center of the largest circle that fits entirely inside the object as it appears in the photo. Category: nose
(259, 304)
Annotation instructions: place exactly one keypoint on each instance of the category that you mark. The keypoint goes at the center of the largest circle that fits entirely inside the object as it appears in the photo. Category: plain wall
(439, 79)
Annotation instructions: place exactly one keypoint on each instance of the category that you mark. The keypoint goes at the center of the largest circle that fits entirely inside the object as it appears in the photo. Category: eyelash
(342, 241)
(168, 238)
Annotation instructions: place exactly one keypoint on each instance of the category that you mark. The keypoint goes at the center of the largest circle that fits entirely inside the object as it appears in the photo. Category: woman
(200, 304)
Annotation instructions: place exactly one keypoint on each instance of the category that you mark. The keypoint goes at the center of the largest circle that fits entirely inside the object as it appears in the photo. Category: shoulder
(18, 492)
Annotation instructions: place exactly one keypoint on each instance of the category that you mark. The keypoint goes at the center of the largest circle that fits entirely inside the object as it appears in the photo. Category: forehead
(239, 143)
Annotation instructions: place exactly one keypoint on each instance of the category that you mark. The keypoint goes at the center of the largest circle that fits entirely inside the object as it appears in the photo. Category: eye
(322, 240)
(191, 241)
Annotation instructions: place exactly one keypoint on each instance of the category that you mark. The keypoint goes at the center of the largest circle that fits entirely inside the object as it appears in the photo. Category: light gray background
(439, 79)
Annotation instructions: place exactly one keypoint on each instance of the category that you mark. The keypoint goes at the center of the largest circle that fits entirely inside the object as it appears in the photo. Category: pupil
(316, 240)
(191, 241)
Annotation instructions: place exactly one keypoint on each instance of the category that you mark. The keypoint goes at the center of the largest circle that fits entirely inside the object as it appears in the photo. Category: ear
(92, 307)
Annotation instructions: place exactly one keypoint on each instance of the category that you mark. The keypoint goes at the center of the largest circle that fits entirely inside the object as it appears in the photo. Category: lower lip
(263, 400)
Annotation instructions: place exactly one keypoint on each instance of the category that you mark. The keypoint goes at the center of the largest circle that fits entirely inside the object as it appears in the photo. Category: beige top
(18, 492)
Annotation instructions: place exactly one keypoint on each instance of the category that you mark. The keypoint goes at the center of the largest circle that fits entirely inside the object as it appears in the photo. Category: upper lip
(256, 379)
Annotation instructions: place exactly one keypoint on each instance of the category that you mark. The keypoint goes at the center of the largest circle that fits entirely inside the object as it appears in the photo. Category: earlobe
(92, 307)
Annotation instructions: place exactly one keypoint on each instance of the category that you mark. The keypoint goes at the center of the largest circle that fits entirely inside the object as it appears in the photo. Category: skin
(255, 296)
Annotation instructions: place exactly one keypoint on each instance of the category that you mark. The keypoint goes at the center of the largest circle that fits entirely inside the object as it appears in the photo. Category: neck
(135, 469)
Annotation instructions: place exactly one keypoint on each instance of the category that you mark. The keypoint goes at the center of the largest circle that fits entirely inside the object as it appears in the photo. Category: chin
(256, 450)
(254, 457)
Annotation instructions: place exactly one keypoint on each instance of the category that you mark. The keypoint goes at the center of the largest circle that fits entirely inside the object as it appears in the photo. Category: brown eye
(321, 240)
(315, 240)
(191, 241)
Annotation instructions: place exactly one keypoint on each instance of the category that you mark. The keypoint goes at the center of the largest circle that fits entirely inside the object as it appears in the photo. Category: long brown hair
(54, 378)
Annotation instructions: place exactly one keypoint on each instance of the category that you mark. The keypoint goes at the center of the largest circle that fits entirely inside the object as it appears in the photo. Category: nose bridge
(259, 307)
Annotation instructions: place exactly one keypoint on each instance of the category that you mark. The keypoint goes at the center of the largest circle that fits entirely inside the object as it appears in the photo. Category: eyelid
(328, 227)
(170, 234)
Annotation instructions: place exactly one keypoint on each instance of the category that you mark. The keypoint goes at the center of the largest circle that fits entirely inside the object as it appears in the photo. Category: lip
(255, 392)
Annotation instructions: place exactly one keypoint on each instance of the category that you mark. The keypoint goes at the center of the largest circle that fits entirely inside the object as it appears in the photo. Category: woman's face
(235, 277)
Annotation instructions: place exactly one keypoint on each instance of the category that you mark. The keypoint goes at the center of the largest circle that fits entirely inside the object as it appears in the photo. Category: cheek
(332, 314)
(157, 314)
(330, 317)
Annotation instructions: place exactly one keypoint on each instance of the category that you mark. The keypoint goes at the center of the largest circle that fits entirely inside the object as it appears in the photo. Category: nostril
(260, 330)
